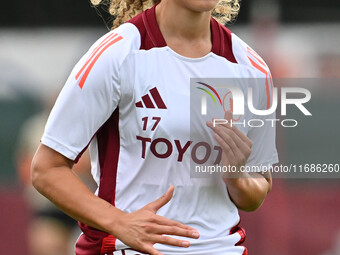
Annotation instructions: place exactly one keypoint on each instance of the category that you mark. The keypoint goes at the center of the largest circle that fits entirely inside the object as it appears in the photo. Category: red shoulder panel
(150, 33)
(221, 40)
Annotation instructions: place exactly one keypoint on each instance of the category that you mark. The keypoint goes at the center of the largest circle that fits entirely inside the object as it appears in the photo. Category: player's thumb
(228, 116)
(160, 202)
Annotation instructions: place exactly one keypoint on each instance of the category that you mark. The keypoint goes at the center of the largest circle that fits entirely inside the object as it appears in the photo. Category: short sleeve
(89, 97)
(262, 132)
(263, 151)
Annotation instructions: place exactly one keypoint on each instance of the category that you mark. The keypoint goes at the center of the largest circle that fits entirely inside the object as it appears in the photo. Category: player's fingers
(239, 133)
(243, 146)
(176, 231)
(226, 148)
(163, 239)
(163, 200)
(152, 251)
(167, 222)
(240, 149)
(241, 158)
(244, 138)
(228, 115)
(228, 137)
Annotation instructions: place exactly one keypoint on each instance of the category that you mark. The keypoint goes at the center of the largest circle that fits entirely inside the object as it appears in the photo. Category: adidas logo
(157, 100)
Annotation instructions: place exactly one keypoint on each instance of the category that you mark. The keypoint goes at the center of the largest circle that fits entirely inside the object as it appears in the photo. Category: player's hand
(236, 146)
(142, 229)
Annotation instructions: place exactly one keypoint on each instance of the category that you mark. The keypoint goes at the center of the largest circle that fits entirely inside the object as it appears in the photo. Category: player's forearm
(65, 189)
(248, 191)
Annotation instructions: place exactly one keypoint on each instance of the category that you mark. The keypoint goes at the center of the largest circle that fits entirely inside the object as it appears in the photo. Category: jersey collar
(151, 25)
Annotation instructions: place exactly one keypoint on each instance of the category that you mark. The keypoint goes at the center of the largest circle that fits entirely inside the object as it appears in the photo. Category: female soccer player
(128, 99)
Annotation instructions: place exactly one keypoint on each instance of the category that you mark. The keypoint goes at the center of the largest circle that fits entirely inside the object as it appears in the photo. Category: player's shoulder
(228, 45)
(258, 68)
(117, 43)
(247, 56)
(114, 46)
(107, 54)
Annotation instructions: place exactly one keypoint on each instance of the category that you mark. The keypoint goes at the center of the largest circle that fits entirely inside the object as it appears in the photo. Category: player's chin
(203, 5)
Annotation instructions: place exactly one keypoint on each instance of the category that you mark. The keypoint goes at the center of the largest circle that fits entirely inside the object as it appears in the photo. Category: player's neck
(176, 21)
(186, 32)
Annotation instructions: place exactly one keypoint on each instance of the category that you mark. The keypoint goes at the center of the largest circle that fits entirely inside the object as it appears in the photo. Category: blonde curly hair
(225, 12)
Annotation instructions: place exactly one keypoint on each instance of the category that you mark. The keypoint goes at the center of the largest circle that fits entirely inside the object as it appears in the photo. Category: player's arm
(247, 190)
(88, 99)
(53, 177)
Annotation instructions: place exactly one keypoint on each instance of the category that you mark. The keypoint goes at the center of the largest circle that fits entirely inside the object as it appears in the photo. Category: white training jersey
(128, 100)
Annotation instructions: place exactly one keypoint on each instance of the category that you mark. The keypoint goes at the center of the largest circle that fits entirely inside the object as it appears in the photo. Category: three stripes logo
(152, 100)
(84, 72)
